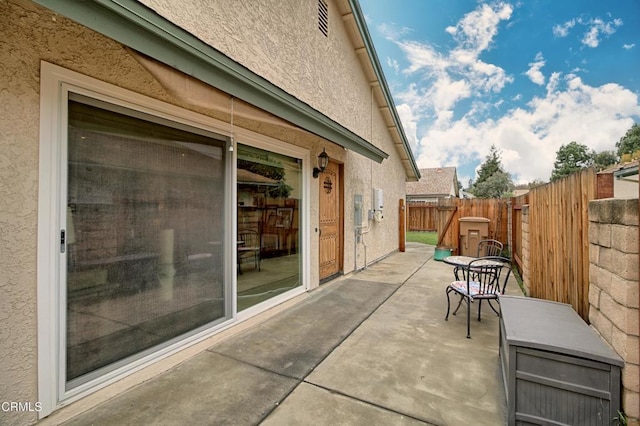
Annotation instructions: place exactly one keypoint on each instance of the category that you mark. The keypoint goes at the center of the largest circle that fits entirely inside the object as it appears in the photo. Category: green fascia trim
(133, 24)
(373, 57)
(630, 171)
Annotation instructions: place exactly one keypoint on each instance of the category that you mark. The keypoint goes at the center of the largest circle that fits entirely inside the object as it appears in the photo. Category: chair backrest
(248, 237)
(489, 248)
(486, 272)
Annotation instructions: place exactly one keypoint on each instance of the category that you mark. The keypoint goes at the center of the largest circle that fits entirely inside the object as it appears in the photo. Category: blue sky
(526, 76)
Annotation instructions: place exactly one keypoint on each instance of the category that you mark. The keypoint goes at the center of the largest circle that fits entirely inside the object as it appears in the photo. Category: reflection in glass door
(145, 220)
(269, 196)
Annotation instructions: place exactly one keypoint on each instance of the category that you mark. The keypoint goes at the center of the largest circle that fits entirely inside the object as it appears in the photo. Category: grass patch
(430, 238)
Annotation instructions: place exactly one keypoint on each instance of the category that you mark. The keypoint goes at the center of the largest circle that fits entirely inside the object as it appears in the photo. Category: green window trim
(136, 26)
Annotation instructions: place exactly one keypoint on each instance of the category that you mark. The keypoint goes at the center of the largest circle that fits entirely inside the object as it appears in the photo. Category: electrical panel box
(378, 200)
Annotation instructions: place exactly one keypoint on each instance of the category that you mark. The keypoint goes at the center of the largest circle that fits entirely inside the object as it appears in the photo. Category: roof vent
(323, 17)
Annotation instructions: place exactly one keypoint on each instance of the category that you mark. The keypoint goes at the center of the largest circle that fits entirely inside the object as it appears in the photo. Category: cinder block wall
(613, 288)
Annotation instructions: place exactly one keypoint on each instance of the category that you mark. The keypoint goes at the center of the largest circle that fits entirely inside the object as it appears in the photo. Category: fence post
(403, 217)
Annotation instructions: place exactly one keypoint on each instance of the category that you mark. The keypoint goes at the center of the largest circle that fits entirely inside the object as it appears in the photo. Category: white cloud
(392, 31)
(553, 83)
(529, 137)
(446, 93)
(562, 30)
(596, 29)
(459, 74)
(393, 64)
(478, 28)
(628, 46)
(409, 124)
(423, 57)
(534, 72)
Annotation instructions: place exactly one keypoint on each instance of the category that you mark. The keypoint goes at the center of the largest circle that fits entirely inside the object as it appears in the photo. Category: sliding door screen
(144, 235)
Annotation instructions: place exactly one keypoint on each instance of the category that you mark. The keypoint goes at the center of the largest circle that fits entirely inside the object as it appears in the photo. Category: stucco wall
(363, 177)
(31, 34)
(626, 187)
(280, 40)
(613, 288)
(320, 71)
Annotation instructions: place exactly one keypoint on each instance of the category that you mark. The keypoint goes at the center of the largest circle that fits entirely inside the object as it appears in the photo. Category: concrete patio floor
(371, 348)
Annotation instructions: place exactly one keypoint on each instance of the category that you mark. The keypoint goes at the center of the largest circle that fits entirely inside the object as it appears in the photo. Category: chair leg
(468, 320)
(494, 309)
(462, 299)
(446, 318)
(479, 308)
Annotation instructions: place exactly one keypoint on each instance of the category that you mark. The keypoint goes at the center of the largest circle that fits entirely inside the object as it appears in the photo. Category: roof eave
(138, 27)
(373, 57)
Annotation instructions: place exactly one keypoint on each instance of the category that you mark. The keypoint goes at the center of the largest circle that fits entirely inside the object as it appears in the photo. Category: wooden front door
(330, 221)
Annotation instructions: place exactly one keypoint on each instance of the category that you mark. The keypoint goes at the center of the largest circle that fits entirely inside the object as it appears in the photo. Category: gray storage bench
(556, 369)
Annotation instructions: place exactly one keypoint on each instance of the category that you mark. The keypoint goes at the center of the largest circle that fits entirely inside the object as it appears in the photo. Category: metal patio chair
(248, 247)
(480, 281)
(489, 248)
(486, 248)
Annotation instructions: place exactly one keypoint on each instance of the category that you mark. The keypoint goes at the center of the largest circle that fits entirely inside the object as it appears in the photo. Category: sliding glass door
(269, 211)
(145, 231)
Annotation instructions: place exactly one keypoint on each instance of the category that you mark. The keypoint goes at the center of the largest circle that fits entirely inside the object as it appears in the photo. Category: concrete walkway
(369, 349)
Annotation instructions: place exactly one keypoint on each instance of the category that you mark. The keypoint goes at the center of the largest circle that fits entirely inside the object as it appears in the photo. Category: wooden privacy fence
(516, 229)
(558, 233)
(444, 217)
(422, 216)
(559, 240)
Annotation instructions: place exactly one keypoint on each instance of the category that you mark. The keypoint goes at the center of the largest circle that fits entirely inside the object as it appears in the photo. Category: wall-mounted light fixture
(323, 160)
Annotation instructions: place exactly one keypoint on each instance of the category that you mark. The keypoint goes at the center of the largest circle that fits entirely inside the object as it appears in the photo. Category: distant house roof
(619, 181)
(623, 169)
(435, 182)
(249, 178)
(630, 167)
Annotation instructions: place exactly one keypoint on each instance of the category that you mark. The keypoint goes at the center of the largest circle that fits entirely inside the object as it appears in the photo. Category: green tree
(571, 158)
(536, 182)
(498, 185)
(492, 164)
(493, 181)
(604, 159)
(630, 142)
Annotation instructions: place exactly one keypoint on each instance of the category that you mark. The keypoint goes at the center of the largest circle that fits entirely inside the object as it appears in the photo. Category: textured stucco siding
(362, 177)
(31, 34)
(278, 40)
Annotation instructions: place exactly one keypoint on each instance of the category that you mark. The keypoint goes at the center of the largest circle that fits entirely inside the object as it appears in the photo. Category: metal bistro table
(463, 261)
